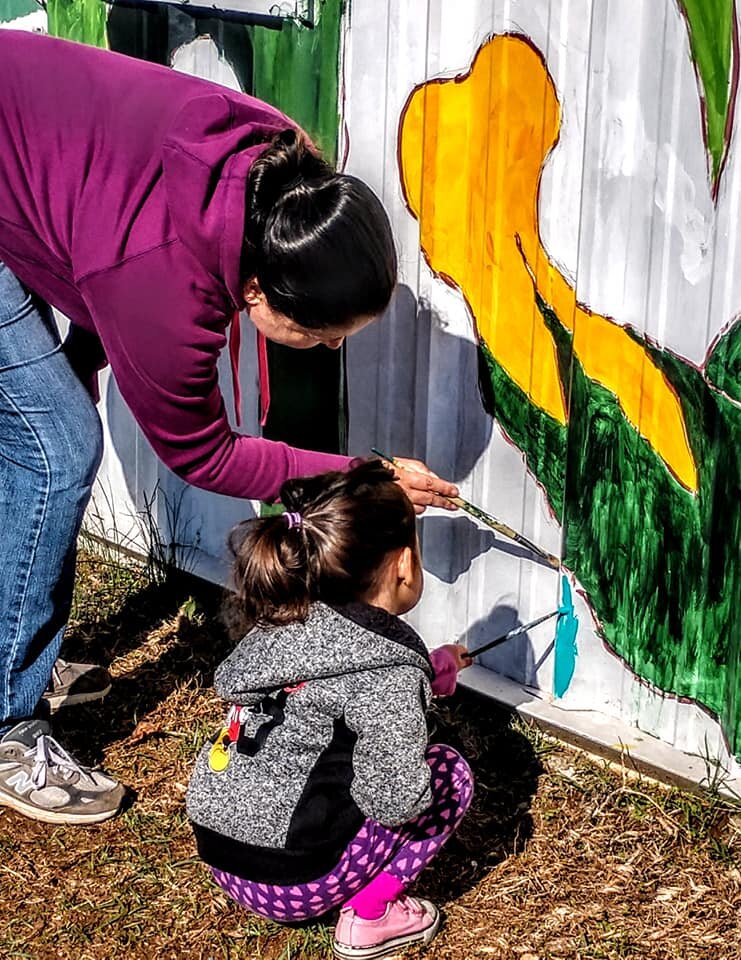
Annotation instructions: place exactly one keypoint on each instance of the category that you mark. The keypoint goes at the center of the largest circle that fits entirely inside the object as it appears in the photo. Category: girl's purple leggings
(401, 852)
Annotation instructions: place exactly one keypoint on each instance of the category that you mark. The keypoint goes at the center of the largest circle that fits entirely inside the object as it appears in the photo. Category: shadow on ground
(506, 770)
(194, 644)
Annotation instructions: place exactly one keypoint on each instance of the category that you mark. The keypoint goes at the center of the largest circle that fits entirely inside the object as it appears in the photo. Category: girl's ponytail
(330, 545)
(271, 571)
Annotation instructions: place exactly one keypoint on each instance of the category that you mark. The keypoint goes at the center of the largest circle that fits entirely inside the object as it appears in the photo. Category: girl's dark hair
(318, 242)
(349, 524)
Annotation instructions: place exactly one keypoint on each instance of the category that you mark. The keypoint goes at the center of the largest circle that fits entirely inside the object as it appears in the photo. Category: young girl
(321, 790)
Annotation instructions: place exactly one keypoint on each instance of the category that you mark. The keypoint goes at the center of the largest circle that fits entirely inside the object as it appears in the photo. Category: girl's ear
(252, 293)
(406, 566)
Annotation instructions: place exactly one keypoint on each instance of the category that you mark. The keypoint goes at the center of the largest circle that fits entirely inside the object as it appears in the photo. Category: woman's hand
(423, 487)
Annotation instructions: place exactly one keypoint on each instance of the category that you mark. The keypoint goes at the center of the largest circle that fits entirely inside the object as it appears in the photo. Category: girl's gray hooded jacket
(334, 732)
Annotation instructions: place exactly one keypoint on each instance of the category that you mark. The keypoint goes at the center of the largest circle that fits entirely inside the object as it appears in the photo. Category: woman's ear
(252, 292)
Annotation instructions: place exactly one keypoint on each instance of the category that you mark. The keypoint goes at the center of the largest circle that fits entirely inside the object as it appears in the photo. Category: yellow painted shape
(472, 150)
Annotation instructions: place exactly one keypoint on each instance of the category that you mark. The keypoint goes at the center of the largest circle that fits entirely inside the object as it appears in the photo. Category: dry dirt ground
(560, 857)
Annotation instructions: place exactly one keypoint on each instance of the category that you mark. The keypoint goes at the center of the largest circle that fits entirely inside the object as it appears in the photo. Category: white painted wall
(626, 212)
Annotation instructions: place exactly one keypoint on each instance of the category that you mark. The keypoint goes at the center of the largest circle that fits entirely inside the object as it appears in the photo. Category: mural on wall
(638, 451)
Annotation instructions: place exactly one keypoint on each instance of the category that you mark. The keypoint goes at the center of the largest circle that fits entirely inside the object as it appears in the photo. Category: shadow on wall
(463, 542)
(414, 389)
(515, 658)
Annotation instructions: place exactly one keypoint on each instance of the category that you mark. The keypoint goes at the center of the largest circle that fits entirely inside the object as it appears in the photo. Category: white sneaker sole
(71, 700)
(55, 816)
(344, 952)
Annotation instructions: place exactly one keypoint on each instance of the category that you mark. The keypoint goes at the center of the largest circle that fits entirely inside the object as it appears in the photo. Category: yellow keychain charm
(218, 758)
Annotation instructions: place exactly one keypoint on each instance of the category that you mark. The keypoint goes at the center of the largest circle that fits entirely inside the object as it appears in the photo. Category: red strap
(262, 363)
(235, 336)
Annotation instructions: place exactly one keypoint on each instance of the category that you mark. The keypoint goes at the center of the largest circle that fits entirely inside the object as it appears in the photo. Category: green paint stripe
(81, 20)
(711, 26)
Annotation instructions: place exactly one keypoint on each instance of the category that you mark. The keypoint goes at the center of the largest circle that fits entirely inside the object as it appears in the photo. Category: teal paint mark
(13, 9)
(713, 36)
(81, 20)
(565, 650)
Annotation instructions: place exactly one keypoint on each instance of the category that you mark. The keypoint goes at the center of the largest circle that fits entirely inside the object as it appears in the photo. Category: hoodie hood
(206, 160)
(327, 644)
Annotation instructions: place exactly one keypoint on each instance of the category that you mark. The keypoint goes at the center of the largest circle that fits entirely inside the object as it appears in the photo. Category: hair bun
(286, 164)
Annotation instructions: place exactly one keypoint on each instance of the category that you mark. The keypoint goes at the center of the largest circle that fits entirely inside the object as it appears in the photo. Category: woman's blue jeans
(50, 448)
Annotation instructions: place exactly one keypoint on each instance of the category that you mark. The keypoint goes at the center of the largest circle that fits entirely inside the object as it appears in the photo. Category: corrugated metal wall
(564, 180)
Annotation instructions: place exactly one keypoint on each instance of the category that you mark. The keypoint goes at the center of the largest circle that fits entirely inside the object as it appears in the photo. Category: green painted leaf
(297, 69)
(659, 565)
(713, 34)
(81, 20)
(541, 438)
(723, 368)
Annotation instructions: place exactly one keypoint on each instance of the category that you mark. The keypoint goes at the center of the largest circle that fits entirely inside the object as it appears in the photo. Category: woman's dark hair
(349, 523)
(318, 242)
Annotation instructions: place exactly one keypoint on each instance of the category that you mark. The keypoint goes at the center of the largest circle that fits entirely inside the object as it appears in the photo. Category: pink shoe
(405, 921)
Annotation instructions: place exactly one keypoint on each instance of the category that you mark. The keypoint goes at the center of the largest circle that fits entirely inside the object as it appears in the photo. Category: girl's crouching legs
(377, 866)
(380, 917)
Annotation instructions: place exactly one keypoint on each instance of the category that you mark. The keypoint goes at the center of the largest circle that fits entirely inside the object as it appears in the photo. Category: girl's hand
(423, 487)
(459, 654)
(447, 662)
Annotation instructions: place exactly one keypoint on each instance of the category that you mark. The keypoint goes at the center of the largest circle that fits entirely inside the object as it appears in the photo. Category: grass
(559, 857)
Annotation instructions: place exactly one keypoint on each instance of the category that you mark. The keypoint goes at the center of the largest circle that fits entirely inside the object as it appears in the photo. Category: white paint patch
(200, 58)
(35, 22)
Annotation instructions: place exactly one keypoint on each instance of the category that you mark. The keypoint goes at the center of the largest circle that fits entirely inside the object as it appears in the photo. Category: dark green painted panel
(297, 69)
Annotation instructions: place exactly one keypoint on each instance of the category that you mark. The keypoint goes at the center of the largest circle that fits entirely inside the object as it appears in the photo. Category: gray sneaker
(39, 779)
(73, 683)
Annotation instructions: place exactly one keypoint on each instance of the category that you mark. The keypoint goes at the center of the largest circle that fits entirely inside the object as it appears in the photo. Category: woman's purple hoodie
(122, 198)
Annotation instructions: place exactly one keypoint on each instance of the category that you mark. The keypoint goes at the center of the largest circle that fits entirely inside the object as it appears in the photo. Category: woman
(150, 208)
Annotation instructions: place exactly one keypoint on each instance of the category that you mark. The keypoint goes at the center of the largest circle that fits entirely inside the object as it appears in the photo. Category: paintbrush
(514, 633)
(565, 611)
(486, 518)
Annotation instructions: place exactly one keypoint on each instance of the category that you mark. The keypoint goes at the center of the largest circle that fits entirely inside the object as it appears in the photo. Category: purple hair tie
(294, 520)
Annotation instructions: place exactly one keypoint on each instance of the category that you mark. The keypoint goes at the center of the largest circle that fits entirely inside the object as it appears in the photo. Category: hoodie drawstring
(262, 362)
(235, 339)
